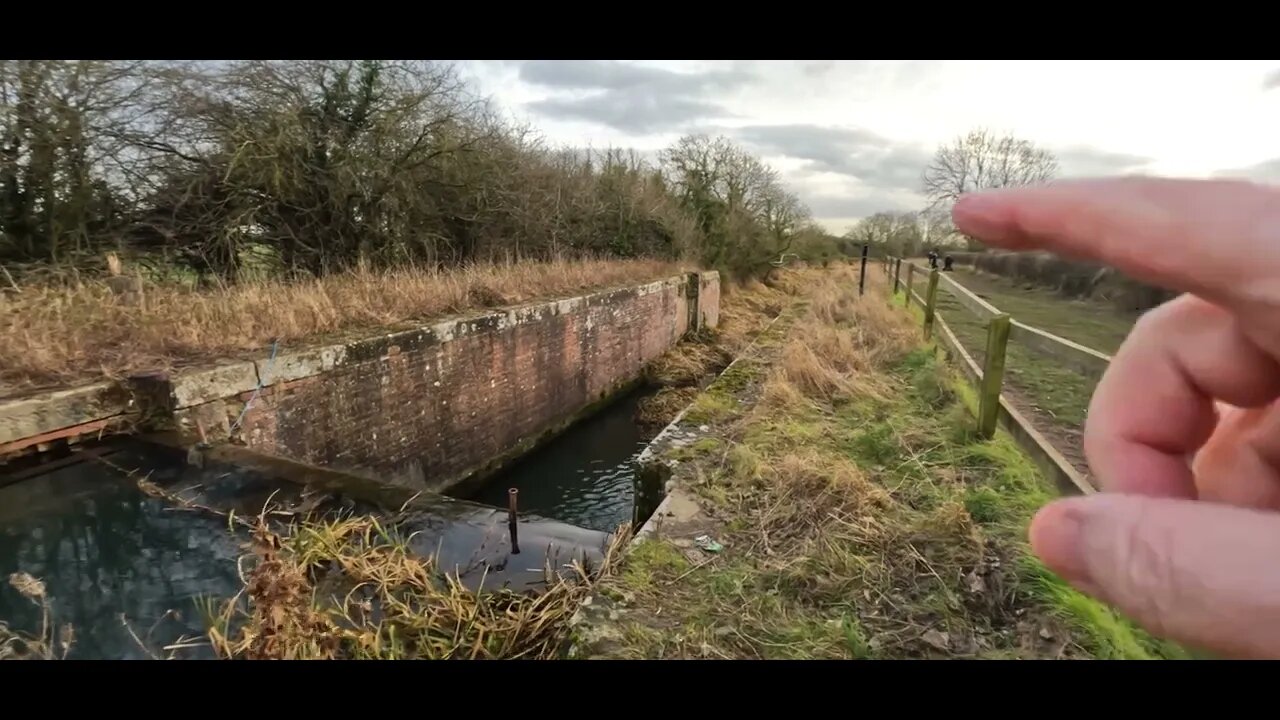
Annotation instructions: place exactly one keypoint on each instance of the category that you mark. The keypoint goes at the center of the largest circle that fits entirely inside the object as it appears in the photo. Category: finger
(1154, 406)
(1197, 573)
(1215, 238)
(1240, 463)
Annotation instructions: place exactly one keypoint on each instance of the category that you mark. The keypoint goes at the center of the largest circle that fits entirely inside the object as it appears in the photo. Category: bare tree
(936, 228)
(896, 233)
(746, 217)
(311, 166)
(982, 160)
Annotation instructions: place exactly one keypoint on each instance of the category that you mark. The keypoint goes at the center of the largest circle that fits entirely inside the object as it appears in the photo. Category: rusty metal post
(862, 277)
(512, 522)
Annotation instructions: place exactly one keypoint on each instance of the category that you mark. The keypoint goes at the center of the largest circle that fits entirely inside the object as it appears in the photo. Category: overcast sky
(852, 137)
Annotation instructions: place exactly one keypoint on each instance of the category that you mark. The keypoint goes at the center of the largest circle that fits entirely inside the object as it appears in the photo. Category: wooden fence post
(993, 374)
(930, 302)
(897, 272)
(906, 303)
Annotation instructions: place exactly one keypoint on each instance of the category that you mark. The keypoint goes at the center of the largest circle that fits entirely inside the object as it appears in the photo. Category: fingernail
(1057, 535)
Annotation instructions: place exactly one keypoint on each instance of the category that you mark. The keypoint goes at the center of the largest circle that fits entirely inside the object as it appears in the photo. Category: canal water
(117, 562)
(582, 477)
(108, 555)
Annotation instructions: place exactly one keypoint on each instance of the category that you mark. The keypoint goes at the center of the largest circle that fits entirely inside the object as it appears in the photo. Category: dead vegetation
(350, 588)
(59, 335)
(347, 586)
(52, 642)
(746, 309)
(860, 518)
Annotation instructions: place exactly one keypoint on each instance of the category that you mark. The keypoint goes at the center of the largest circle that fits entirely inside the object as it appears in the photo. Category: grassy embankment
(56, 335)
(859, 516)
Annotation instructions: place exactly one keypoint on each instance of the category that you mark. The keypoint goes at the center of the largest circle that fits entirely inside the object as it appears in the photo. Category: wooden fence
(993, 407)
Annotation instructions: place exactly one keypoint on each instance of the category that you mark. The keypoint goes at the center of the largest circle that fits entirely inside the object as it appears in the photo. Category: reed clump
(350, 588)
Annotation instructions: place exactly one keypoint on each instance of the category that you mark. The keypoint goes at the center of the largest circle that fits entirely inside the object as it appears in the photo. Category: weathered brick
(462, 392)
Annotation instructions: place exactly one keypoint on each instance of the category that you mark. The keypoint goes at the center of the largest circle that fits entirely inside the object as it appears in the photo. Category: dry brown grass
(52, 643)
(843, 346)
(746, 308)
(350, 588)
(663, 406)
(61, 335)
(688, 364)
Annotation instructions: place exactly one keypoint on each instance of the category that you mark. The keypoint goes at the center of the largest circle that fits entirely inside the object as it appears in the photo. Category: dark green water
(110, 554)
(583, 477)
(107, 554)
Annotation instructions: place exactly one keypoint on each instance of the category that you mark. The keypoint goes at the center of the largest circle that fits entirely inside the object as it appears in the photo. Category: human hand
(1189, 550)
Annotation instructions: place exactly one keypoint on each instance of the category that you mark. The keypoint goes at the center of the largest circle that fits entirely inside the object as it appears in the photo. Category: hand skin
(1183, 430)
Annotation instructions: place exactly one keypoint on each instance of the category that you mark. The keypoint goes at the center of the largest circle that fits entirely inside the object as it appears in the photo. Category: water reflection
(583, 477)
(103, 549)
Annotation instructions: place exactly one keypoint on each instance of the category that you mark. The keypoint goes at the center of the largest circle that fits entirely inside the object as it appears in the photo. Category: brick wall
(432, 405)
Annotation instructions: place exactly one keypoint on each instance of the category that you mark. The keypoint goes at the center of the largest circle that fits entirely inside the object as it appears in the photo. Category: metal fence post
(862, 275)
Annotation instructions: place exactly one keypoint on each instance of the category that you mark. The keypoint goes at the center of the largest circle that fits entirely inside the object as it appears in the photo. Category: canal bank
(530, 624)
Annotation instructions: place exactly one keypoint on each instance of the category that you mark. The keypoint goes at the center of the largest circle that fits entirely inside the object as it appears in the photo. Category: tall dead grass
(746, 309)
(59, 335)
(841, 348)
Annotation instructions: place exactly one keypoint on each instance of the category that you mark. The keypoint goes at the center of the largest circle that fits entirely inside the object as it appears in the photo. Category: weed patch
(349, 588)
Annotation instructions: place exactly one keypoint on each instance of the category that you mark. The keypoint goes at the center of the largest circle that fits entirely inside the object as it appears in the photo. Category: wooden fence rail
(1084, 360)
(993, 407)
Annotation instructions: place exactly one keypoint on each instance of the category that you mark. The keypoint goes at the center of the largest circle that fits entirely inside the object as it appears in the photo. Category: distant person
(1183, 431)
(933, 259)
(946, 263)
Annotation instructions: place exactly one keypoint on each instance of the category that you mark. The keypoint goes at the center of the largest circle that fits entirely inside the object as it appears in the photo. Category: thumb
(1193, 572)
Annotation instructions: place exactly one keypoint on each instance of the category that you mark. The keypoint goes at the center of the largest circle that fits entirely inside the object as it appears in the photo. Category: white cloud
(851, 131)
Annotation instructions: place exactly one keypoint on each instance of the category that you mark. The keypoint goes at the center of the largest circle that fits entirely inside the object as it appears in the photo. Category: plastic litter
(708, 544)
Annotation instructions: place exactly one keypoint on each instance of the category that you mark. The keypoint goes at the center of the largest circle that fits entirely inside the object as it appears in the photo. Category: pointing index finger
(1215, 238)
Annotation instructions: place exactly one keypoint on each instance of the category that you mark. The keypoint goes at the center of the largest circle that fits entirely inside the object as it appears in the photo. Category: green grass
(1062, 392)
(858, 529)
(1091, 323)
